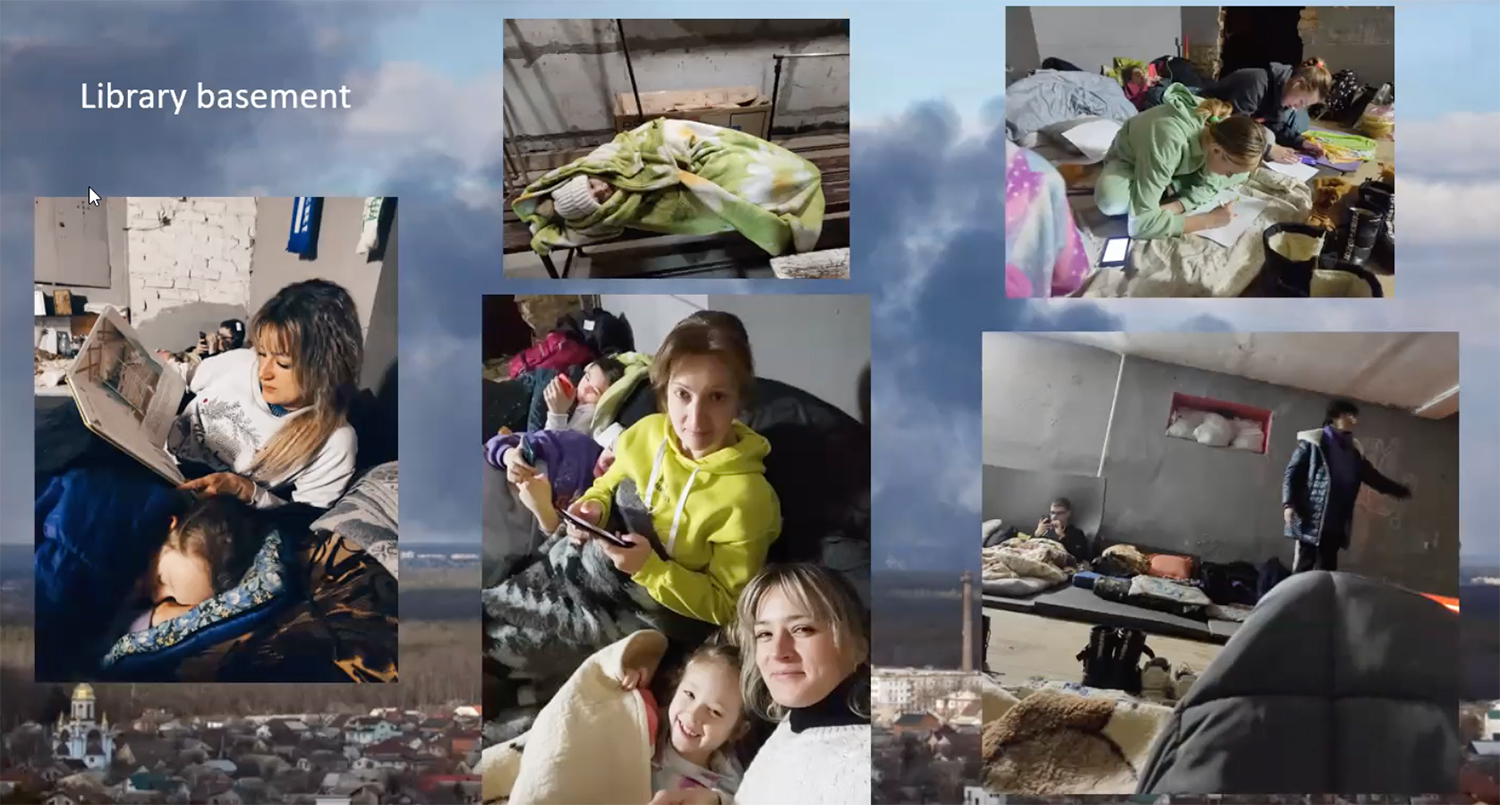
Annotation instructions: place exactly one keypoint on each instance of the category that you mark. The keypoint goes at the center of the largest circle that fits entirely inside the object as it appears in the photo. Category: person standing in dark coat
(1277, 96)
(1321, 485)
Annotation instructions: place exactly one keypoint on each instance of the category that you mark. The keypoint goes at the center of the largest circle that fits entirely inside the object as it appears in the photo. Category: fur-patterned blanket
(1020, 567)
(1066, 740)
(345, 627)
(555, 611)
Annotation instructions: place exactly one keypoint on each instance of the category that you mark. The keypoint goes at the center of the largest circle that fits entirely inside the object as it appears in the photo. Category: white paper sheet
(1244, 211)
(1093, 138)
(1228, 195)
(1300, 171)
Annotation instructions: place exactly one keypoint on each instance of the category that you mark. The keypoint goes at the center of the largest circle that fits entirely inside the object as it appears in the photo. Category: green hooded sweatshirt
(1162, 150)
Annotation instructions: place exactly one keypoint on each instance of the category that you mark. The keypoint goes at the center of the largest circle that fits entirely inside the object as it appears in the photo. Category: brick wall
(183, 251)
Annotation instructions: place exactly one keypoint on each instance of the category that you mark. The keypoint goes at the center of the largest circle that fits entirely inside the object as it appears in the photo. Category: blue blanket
(96, 528)
(1050, 96)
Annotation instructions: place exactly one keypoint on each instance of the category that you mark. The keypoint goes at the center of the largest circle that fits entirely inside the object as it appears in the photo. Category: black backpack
(1177, 70)
(1346, 90)
(1112, 659)
(602, 332)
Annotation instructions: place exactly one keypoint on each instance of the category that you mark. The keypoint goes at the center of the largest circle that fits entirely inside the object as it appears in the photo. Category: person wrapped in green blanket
(680, 178)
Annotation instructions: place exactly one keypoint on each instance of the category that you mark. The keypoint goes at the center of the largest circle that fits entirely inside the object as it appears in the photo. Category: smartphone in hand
(584, 525)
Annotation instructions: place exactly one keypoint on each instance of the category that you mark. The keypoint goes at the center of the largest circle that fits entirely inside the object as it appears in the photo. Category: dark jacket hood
(1336, 682)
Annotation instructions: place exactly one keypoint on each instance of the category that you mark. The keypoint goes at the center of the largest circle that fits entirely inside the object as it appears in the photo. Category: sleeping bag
(340, 619)
(151, 655)
(96, 529)
(319, 604)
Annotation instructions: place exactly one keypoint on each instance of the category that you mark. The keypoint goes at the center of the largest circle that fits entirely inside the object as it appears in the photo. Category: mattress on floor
(1078, 604)
(995, 600)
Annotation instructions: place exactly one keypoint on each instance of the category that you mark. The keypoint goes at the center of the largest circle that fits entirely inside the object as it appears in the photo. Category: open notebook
(126, 394)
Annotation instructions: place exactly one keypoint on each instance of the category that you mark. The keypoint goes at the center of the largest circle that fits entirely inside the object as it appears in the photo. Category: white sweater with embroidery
(228, 422)
(818, 766)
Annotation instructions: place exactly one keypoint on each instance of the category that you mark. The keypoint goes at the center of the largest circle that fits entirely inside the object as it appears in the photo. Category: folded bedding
(686, 178)
(1167, 595)
(1229, 612)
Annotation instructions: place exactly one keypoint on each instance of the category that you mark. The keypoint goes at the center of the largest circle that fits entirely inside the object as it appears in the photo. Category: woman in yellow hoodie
(699, 473)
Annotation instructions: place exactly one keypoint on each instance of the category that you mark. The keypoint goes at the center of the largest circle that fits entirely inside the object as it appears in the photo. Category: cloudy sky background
(928, 241)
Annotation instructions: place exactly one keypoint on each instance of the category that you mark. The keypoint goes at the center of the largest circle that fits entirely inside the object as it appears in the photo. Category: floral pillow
(263, 582)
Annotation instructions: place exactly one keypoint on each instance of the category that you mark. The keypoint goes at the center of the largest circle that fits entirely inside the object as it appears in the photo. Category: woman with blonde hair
(1188, 147)
(809, 638)
(1277, 96)
(699, 474)
(269, 424)
(690, 517)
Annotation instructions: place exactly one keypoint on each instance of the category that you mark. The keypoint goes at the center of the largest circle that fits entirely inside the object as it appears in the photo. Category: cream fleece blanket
(1066, 739)
(591, 744)
(1191, 266)
(1020, 567)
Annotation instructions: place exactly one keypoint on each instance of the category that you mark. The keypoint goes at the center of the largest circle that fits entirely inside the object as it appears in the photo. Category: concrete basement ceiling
(1415, 372)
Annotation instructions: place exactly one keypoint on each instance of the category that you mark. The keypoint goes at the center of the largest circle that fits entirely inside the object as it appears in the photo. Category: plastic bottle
(1378, 120)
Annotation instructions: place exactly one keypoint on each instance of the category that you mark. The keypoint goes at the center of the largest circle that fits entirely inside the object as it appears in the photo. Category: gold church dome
(83, 691)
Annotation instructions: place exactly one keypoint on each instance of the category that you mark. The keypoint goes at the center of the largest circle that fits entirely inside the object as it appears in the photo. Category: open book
(126, 394)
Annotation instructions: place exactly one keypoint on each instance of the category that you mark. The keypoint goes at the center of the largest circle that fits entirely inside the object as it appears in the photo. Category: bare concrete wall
(1091, 37)
(561, 76)
(1021, 56)
(1045, 403)
(1358, 38)
(1047, 406)
(1201, 29)
(819, 343)
(1022, 497)
(275, 267)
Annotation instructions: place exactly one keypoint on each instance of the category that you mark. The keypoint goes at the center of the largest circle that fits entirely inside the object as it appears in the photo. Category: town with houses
(429, 559)
(926, 743)
(385, 757)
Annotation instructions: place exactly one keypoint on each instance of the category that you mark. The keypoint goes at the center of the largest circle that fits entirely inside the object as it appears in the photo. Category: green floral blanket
(687, 178)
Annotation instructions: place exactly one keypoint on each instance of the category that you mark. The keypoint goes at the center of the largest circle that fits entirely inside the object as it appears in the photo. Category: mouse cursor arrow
(93, 197)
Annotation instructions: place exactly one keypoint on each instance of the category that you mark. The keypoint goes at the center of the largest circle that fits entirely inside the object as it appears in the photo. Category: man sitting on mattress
(1058, 525)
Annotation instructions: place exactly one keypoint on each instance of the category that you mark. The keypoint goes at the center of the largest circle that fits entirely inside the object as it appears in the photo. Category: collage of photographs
(712, 543)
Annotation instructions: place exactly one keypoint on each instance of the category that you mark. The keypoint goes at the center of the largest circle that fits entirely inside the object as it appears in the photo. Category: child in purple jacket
(556, 467)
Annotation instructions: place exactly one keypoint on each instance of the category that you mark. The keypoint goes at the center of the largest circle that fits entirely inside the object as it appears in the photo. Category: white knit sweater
(818, 766)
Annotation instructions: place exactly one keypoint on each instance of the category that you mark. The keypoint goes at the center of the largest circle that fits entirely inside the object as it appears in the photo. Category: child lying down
(548, 469)
(681, 178)
(604, 716)
(207, 551)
